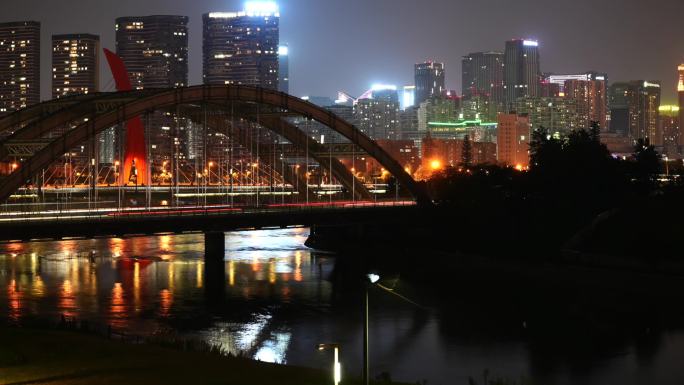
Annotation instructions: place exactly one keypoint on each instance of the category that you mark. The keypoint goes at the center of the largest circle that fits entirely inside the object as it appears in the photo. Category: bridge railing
(113, 214)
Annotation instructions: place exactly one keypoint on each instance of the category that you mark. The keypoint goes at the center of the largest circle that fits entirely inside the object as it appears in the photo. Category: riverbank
(63, 357)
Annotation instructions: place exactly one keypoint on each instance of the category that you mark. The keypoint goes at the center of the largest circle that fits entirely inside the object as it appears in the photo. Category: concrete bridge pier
(214, 263)
(333, 238)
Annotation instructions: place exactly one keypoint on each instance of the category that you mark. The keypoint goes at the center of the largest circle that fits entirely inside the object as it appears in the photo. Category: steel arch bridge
(38, 136)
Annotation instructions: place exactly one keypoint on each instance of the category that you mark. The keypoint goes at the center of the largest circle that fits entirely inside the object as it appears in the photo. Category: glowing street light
(371, 279)
(337, 368)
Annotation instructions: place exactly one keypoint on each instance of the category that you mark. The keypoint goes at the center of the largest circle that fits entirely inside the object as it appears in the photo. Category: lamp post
(371, 280)
(337, 368)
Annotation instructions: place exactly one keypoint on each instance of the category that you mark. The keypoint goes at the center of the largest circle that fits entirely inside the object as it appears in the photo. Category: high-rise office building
(284, 68)
(512, 140)
(680, 93)
(622, 102)
(155, 52)
(75, 64)
(483, 75)
(378, 115)
(19, 65)
(558, 115)
(668, 122)
(242, 47)
(589, 90)
(154, 49)
(522, 74)
(429, 81)
(634, 110)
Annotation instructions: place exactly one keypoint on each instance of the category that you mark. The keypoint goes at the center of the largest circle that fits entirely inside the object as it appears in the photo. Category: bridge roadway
(211, 219)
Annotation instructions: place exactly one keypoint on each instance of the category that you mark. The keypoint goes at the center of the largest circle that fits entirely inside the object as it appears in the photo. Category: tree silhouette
(647, 160)
(467, 152)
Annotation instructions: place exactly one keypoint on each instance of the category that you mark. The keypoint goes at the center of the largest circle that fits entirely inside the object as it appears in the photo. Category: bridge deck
(209, 219)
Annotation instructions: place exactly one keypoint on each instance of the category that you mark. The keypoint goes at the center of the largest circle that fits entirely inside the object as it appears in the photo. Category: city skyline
(343, 47)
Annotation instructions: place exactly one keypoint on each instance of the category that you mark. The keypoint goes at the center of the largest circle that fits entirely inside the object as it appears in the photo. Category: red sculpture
(135, 158)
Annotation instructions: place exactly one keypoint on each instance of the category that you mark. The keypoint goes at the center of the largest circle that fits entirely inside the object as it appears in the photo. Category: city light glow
(383, 87)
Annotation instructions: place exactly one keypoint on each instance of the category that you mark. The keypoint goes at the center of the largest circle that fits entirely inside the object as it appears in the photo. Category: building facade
(75, 64)
(680, 94)
(522, 75)
(241, 47)
(589, 90)
(668, 122)
(634, 110)
(155, 52)
(154, 49)
(558, 115)
(483, 75)
(378, 116)
(429, 81)
(19, 65)
(513, 140)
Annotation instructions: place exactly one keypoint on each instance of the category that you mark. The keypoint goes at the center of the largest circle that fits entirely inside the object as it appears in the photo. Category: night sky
(350, 44)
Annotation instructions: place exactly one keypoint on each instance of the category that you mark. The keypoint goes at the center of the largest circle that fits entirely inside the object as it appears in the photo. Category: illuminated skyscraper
(19, 65)
(680, 92)
(483, 75)
(429, 79)
(155, 52)
(378, 115)
(668, 121)
(557, 115)
(154, 49)
(634, 110)
(242, 47)
(589, 90)
(75, 64)
(284, 69)
(522, 75)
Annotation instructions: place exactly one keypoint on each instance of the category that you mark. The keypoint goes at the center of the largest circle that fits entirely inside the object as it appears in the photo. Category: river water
(278, 300)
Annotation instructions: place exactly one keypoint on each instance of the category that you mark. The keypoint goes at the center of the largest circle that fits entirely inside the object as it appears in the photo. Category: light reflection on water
(277, 300)
(153, 285)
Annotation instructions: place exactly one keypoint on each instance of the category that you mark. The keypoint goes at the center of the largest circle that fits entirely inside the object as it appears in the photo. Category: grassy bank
(30, 356)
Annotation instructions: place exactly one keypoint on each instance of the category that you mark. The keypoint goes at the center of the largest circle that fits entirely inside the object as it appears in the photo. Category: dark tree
(647, 160)
(467, 152)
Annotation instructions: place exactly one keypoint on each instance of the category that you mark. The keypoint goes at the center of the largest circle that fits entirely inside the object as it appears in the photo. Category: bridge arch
(131, 104)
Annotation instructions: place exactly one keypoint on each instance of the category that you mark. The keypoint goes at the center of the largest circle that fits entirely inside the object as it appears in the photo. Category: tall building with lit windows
(522, 75)
(154, 49)
(668, 121)
(242, 47)
(378, 115)
(19, 65)
(75, 64)
(513, 140)
(634, 110)
(483, 75)
(429, 81)
(589, 90)
(680, 93)
(155, 52)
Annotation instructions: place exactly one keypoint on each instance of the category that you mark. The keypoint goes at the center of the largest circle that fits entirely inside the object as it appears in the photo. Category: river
(279, 299)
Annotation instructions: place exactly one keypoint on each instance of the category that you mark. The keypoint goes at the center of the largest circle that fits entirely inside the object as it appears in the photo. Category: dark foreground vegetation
(575, 196)
(45, 356)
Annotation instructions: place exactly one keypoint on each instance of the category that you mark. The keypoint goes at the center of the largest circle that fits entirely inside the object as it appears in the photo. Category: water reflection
(276, 300)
